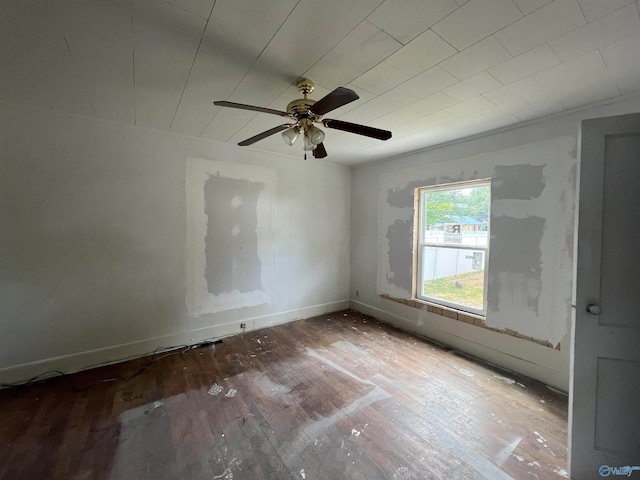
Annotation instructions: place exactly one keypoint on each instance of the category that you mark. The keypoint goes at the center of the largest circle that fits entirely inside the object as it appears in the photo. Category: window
(452, 247)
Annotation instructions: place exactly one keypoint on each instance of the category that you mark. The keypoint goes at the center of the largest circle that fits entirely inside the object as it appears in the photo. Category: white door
(605, 385)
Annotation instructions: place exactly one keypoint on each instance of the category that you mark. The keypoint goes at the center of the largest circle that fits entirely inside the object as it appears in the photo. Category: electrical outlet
(243, 326)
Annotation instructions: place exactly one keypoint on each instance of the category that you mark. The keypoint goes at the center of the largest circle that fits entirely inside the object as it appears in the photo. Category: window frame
(420, 244)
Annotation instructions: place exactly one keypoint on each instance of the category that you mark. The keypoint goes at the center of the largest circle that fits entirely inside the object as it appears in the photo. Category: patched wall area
(230, 235)
(119, 240)
(231, 251)
(531, 244)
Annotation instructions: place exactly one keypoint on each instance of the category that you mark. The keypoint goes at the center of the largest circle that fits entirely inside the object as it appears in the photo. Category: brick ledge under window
(466, 317)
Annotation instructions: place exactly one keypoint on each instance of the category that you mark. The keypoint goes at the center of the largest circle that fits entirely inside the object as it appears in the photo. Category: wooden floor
(340, 396)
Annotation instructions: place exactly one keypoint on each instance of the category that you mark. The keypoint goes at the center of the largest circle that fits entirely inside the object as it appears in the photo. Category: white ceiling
(431, 71)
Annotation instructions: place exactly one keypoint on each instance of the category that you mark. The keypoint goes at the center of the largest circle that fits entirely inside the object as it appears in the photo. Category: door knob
(594, 309)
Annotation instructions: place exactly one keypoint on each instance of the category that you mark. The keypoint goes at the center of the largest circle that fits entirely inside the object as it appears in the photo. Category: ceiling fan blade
(266, 134)
(253, 108)
(339, 97)
(319, 151)
(357, 129)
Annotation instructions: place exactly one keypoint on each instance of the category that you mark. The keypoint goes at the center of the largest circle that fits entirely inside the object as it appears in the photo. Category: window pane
(453, 275)
(456, 216)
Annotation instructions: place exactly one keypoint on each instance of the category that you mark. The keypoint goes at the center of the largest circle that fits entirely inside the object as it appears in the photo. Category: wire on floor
(158, 354)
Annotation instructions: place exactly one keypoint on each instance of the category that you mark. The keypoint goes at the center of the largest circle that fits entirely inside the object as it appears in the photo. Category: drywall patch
(518, 266)
(518, 182)
(400, 254)
(230, 213)
(403, 197)
(231, 244)
(529, 183)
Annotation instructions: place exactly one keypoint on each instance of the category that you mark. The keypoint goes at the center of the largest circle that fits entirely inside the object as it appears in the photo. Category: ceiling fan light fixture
(290, 135)
(308, 144)
(316, 135)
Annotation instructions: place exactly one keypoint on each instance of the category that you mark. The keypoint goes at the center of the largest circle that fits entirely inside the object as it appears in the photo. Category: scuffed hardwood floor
(340, 396)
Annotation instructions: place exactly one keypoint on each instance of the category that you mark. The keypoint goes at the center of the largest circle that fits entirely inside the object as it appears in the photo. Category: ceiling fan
(304, 112)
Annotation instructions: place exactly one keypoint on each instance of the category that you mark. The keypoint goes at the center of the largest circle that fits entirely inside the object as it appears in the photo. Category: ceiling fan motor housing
(305, 86)
(300, 108)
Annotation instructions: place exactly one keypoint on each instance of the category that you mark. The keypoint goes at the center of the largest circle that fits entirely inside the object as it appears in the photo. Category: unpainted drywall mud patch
(399, 237)
(518, 182)
(230, 235)
(532, 218)
(231, 252)
(517, 259)
(403, 197)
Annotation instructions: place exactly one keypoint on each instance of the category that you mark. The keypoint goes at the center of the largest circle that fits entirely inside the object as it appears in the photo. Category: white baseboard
(118, 353)
(523, 366)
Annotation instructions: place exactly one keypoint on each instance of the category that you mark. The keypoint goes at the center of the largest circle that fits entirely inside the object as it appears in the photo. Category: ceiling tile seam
(408, 80)
(470, 46)
(548, 40)
(436, 64)
(511, 57)
(523, 119)
(582, 11)
(411, 78)
(548, 43)
(502, 85)
(473, 113)
(587, 23)
(552, 51)
(511, 83)
(445, 41)
(497, 80)
(504, 46)
(617, 88)
(403, 71)
(564, 63)
(178, 7)
(518, 7)
(536, 9)
(193, 62)
(499, 130)
(368, 91)
(417, 120)
(637, 4)
(486, 36)
(533, 105)
(456, 102)
(382, 29)
(443, 19)
(340, 41)
(77, 72)
(483, 39)
(524, 53)
(245, 76)
(80, 78)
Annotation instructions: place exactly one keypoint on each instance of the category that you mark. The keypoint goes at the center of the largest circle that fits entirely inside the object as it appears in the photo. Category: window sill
(461, 316)
(451, 312)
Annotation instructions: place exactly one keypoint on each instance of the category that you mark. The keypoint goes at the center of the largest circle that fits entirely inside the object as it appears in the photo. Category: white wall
(94, 252)
(534, 172)
(94, 255)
